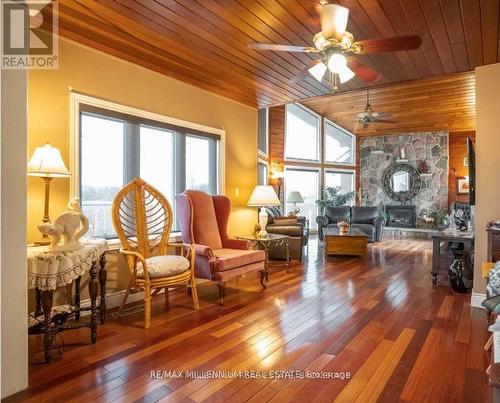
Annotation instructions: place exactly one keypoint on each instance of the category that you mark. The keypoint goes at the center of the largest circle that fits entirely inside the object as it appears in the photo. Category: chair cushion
(336, 214)
(363, 215)
(368, 229)
(228, 259)
(163, 266)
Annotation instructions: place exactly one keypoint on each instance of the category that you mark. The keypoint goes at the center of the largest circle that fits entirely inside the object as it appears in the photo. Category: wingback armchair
(203, 220)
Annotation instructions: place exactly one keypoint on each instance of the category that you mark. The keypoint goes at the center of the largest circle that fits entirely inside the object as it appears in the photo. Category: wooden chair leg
(124, 300)
(194, 295)
(488, 344)
(167, 304)
(147, 307)
(222, 292)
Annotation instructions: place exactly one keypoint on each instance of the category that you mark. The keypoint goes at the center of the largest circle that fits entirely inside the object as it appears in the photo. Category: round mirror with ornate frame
(401, 181)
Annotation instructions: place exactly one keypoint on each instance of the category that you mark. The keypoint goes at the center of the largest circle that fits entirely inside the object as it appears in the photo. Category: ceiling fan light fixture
(334, 20)
(320, 41)
(347, 40)
(337, 63)
(345, 74)
(318, 71)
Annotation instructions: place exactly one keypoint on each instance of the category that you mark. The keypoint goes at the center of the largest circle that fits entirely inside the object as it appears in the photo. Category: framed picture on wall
(462, 185)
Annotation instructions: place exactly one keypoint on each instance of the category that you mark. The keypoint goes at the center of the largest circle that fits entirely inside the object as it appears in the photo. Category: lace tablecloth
(48, 270)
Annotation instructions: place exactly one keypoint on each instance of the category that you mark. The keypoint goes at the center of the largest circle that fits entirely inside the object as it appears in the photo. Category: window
(262, 173)
(306, 181)
(342, 179)
(115, 147)
(339, 145)
(263, 134)
(301, 133)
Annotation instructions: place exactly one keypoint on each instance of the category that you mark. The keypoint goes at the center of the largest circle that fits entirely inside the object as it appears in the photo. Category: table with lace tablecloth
(49, 270)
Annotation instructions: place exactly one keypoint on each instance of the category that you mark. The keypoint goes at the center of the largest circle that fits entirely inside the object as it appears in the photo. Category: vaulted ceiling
(432, 104)
(204, 42)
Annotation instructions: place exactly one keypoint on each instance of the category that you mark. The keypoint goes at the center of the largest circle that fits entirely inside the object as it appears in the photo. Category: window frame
(318, 136)
(338, 170)
(78, 99)
(316, 169)
(264, 162)
(345, 131)
(260, 152)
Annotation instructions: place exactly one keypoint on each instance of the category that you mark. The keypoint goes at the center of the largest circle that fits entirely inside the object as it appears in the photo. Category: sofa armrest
(295, 230)
(378, 223)
(323, 220)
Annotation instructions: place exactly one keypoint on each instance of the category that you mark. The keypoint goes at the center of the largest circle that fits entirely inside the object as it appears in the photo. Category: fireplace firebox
(401, 216)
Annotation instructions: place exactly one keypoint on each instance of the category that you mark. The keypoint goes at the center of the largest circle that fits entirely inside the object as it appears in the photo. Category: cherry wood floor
(377, 317)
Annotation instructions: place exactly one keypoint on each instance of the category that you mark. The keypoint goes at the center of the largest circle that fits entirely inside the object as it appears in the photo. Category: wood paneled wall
(457, 152)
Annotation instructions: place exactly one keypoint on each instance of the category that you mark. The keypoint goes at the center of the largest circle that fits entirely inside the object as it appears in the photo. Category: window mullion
(131, 150)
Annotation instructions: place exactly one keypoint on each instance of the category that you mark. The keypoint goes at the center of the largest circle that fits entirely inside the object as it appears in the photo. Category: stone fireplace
(401, 216)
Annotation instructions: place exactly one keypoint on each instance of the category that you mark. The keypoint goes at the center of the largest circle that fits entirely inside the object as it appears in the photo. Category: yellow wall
(487, 161)
(96, 74)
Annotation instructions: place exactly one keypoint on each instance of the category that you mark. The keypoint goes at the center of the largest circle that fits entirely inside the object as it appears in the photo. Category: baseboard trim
(476, 299)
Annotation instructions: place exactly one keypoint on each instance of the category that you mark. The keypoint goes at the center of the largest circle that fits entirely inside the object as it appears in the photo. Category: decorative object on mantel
(401, 182)
(47, 163)
(70, 226)
(263, 196)
(423, 168)
(343, 227)
(49, 270)
(295, 197)
(402, 155)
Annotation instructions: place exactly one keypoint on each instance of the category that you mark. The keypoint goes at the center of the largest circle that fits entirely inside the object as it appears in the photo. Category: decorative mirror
(401, 181)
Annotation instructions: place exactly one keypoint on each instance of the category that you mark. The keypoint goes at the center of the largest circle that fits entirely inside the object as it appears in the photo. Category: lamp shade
(263, 196)
(47, 162)
(295, 197)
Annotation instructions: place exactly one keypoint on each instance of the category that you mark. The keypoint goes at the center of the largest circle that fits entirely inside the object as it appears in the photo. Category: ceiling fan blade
(282, 48)
(388, 44)
(362, 71)
(384, 121)
(384, 115)
(333, 20)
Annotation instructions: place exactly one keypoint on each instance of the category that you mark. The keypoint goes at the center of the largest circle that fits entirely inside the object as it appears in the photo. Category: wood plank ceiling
(204, 42)
(437, 103)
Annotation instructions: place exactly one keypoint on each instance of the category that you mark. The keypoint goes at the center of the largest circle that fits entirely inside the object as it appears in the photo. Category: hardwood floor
(378, 318)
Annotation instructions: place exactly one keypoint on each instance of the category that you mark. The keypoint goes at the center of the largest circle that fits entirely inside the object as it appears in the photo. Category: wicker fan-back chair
(142, 218)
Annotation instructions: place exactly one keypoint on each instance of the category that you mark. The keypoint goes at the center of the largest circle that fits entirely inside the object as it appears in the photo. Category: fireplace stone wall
(432, 147)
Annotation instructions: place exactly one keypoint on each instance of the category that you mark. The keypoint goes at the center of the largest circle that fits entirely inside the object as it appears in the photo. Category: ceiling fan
(368, 116)
(337, 49)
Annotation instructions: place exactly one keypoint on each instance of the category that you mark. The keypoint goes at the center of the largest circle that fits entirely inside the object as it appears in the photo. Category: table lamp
(295, 197)
(47, 163)
(263, 196)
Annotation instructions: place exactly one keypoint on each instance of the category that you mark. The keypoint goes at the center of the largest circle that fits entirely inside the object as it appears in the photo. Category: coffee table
(353, 243)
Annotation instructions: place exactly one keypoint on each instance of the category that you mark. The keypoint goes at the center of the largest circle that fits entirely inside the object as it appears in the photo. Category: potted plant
(334, 198)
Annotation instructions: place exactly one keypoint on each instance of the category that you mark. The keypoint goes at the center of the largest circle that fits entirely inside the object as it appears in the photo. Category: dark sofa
(297, 231)
(364, 218)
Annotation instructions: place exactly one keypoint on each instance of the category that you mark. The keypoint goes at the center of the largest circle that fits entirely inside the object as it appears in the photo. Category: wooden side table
(264, 244)
(49, 270)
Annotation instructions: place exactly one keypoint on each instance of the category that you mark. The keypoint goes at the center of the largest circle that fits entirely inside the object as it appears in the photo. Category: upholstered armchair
(203, 220)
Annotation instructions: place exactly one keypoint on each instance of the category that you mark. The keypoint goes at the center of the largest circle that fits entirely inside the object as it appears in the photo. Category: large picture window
(306, 181)
(115, 147)
(301, 133)
(339, 145)
(341, 179)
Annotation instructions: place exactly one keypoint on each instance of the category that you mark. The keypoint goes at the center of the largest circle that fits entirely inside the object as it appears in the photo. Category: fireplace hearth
(401, 216)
